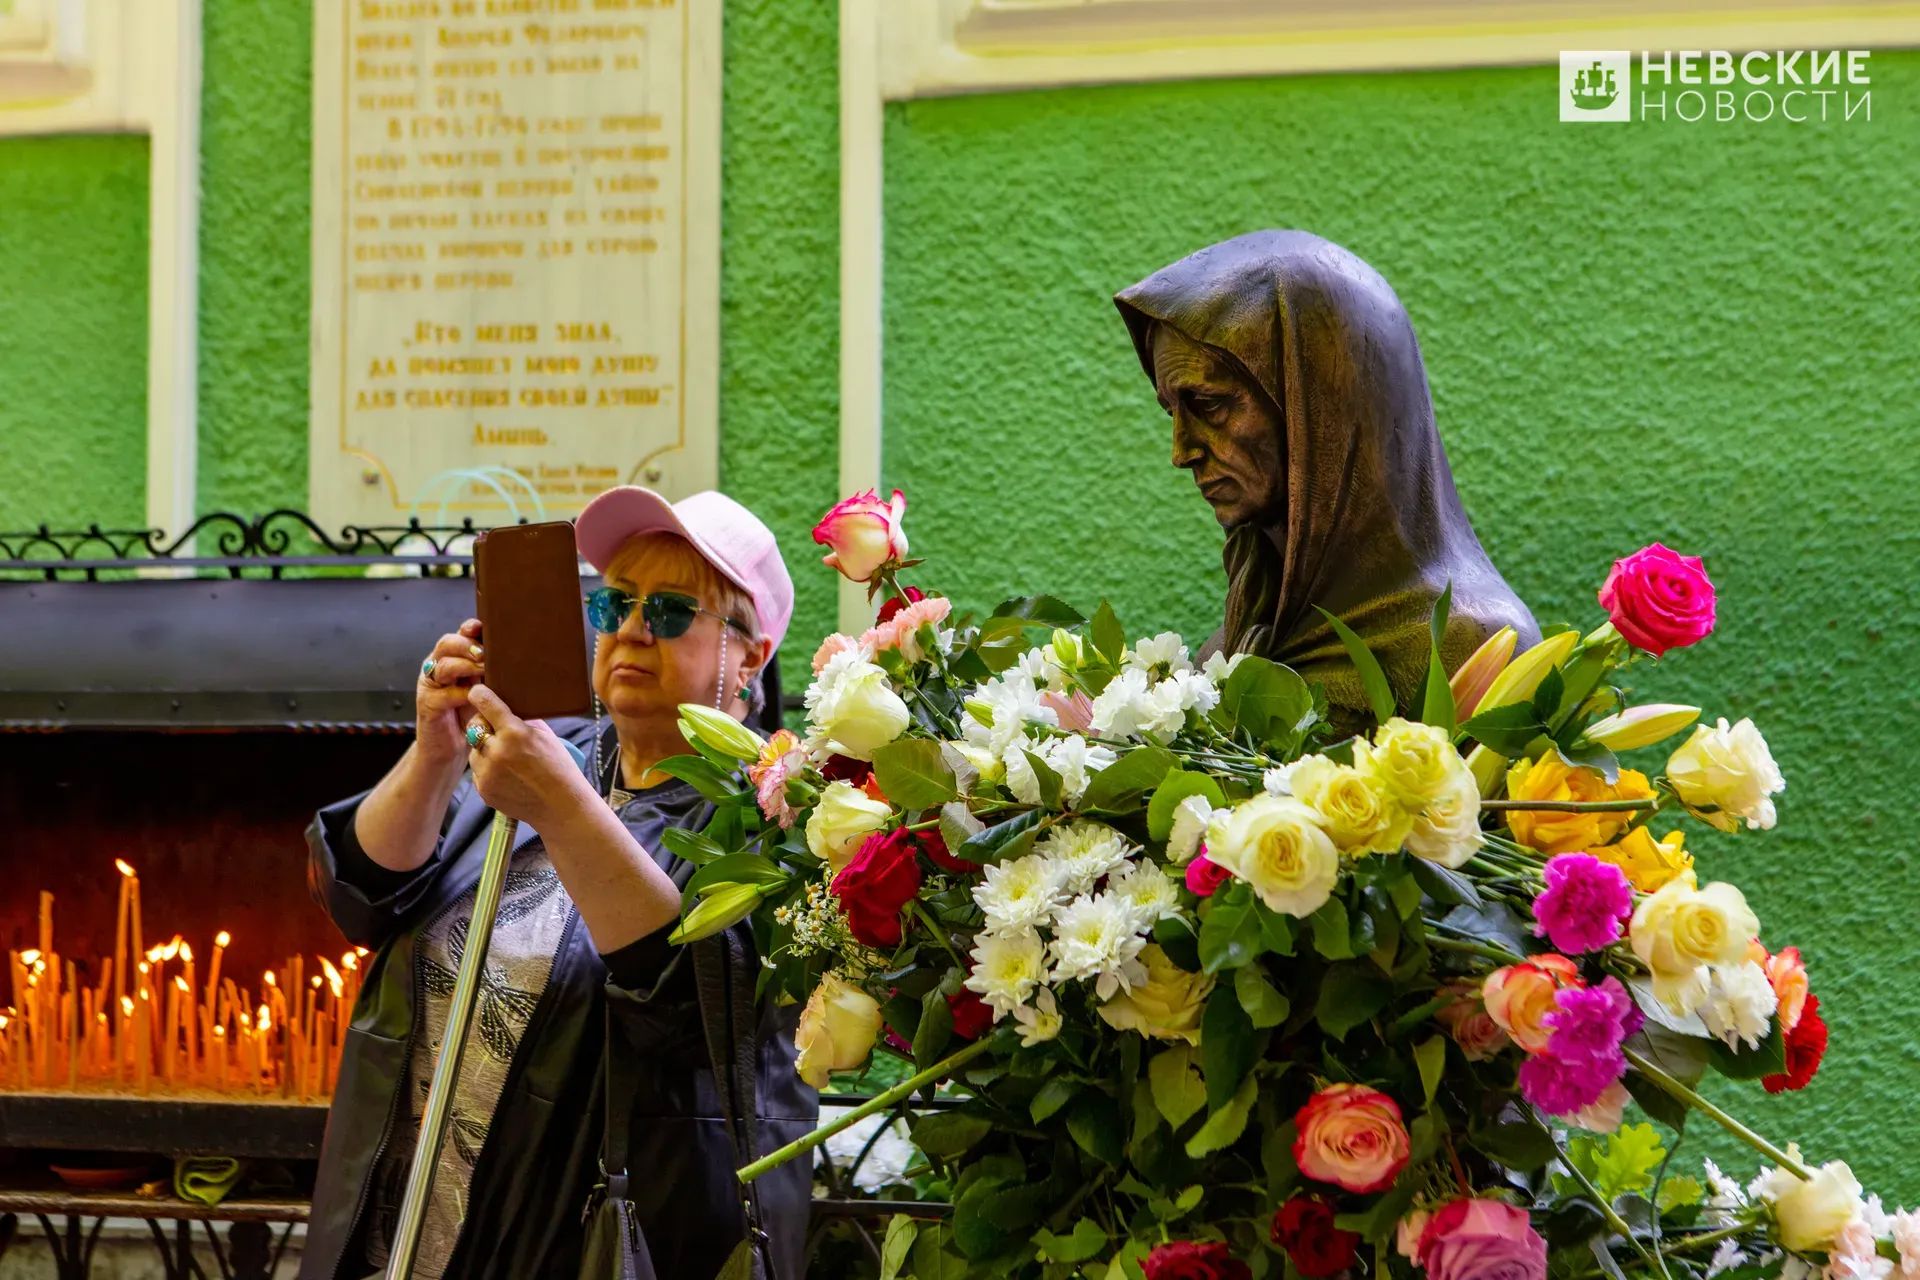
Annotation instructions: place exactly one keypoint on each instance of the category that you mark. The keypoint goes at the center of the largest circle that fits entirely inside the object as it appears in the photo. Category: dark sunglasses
(667, 614)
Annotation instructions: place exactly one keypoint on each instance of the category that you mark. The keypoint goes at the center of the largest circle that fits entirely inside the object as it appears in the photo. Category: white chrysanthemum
(1190, 818)
(1740, 1004)
(1162, 655)
(996, 714)
(1083, 852)
(1042, 665)
(1147, 890)
(888, 1157)
(1219, 666)
(1723, 1192)
(1072, 757)
(1039, 1021)
(1725, 1258)
(1006, 969)
(1094, 939)
(1126, 708)
(1190, 691)
(1020, 894)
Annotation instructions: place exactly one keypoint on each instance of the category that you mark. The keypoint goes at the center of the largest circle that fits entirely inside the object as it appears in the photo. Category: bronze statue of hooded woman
(1300, 403)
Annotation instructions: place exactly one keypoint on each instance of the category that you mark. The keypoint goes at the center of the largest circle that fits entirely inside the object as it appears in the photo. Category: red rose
(1659, 599)
(1304, 1228)
(846, 769)
(971, 1016)
(895, 604)
(1806, 1046)
(1204, 875)
(934, 845)
(1194, 1260)
(876, 884)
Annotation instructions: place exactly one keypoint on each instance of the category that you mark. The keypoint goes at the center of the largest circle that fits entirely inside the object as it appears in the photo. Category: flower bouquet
(1213, 993)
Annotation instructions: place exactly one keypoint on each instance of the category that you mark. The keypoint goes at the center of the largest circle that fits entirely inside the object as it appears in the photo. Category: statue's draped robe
(1373, 530)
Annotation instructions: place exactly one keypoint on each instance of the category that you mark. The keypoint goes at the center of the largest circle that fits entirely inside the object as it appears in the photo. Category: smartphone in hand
(527, 597)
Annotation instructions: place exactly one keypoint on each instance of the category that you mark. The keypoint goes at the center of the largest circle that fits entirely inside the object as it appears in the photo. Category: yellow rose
(1356, 810)
(1812, 1212)
(1551, 778)
(1681, 928)
(1448, 832)
(1649, 863)
(1412, 763)
(1167, 1006)
(844, 818)
(837, 1030)
(1276, 845)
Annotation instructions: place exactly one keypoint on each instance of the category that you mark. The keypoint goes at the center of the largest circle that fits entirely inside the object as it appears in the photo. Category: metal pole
(446, 1068)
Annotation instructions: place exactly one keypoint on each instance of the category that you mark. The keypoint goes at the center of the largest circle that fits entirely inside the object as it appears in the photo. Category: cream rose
(1275, 844)
(837, 1030)
(845, 817)
(1412, 763)
(1813, 1212)
(853, 706)
(1448, 831)
(1354, 807)
(1729, 771)
(1680, 928)
(1167, 1006)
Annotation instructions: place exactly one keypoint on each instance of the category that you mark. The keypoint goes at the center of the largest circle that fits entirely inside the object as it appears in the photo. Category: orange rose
(1789, 978)
(1551, 778)
(1520, 996)
(1466, 1019)
(1351, 1136)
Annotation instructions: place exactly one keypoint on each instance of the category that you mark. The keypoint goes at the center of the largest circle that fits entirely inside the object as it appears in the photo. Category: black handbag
(616, 1247)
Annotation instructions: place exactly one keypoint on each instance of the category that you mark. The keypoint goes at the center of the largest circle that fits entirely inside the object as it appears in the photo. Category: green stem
(1685, 1094)
(881, 1102)
(1614, 1220)
(925, 917)
(1476, 948)
(1573, 806)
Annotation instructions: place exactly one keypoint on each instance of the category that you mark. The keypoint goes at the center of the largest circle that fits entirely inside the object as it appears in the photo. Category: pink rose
(862, 534)
(1205, 876)
(1351, 1135)
(1482, 1240)
(1659, 599)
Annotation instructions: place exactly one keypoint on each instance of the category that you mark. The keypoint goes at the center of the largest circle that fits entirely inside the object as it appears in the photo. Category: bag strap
(724, 982)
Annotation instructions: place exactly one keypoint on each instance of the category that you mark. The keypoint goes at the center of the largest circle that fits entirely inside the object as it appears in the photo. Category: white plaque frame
(339, 489)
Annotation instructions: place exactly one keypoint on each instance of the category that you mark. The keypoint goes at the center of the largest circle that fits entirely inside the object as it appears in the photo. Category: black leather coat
(541, 1156)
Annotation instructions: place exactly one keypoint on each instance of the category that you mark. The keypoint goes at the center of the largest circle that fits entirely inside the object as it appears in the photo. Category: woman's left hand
(521, 768)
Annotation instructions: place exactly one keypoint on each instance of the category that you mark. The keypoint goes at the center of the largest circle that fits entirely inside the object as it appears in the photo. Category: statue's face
(1224, 430)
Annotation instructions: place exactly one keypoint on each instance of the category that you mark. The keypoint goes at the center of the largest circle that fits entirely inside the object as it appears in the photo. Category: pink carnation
(1205, 876)
(1659, 599)
(901, 631)
(1585, 904)
(830, 647)
(779, 760)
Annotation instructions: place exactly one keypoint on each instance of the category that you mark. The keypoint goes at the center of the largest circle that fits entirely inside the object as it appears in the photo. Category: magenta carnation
(1561, 1087)
(1582, 1057)
(1585, 905)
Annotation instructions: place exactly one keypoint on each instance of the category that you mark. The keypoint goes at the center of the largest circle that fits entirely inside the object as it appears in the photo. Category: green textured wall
(1703, 335)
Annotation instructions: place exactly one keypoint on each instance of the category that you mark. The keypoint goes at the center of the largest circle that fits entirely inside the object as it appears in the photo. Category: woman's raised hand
(521, 767)
(440, 699)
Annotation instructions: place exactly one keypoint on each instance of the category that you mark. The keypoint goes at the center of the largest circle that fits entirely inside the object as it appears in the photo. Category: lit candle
(46, 922)
(213, 973)
(190, 1014)
(120, 936)
(171, 1039)
(137, 945)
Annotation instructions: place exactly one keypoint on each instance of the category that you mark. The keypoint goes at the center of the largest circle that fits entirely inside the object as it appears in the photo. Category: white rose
(853, 706)
(1728, 770)
(844, 818)
(837, 1030)
(1448, 831)
(1276, 844)
(1812, 1212)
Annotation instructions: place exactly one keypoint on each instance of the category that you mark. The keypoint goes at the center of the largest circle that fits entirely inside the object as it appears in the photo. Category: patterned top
(527, 933)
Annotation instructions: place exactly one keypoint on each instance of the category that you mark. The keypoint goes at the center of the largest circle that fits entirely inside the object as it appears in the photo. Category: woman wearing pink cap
(595, 1041)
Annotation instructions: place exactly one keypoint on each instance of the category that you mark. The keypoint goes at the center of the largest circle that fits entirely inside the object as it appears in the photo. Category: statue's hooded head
(1300, 404)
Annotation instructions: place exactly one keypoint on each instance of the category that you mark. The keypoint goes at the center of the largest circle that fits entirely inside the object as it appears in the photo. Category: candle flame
(102, 1015)
(266, 1019)
(144, 994)
(222, 939)
(362, 951)
(126, 1005)
(246, 1020)
(156, 954)
(316, 982)
(270, 980)
(173, 948)
(126, 868)
(333, 977)
(3, 1021)
(29, 956)
(219, 1033)
(145, 967)
(186, 953)
(182, 984)
(350, 961)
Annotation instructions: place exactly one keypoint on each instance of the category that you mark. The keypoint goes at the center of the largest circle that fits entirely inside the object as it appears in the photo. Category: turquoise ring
(478, 732)
(426, 669)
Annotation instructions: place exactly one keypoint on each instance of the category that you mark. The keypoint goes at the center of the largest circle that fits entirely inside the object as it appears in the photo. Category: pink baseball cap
(732, 538)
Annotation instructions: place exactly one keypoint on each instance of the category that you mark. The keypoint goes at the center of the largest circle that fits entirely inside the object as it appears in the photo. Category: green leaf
(1224, 1127)
(1431, 1055)
(1228, 1045)
(1443, 885)
(1229, 929)
(1437, 705)
(932, 1259)
(1546, 698)
(1175, 787)
(1049, 781)
(1579, 679)
(1006, 840)
(1627, 1161)
(1679, 1191)
(709, 779)
(1372, 678)
(1265, 1007)
(1109, 639)
(893, 1253)
(690, 846)
(1118, 788)
(1493, 922)
(1516, 1144)
(1087, 1239)
(1508, 729)
(1044, 611)
(935, 1030)
(1590, 755)
(1269, 701)
(1276, 1161)
(1332, 932)
(1349, 995)
(945, 1134)
(913, 775)
(1094, 1122)
(719, 910)
(735, 868)
(1054, 1094)
(1178, 1091)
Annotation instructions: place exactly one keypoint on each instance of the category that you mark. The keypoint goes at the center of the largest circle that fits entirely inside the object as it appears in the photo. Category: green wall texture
(1700, 334)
